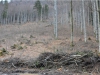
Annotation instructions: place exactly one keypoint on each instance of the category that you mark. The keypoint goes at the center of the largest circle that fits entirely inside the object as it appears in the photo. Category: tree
(81, 20)
(38, 7)
(98, 18)
(46, 10)
(1, 2)
(71, 15)
(4, 13)
(94, 16)
(84, 24)
(94, 20)
(41, 13)
(55, 16)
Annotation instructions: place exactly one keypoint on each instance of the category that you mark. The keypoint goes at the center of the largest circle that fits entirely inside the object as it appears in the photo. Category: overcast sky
(7, 0)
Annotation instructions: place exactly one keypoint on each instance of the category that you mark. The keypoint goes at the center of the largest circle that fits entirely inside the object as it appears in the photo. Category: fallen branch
(14, 65)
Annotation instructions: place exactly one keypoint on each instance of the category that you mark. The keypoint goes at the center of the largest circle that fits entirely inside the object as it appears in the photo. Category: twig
(48, 57)
(76, 55)
(14, 65)
(76, 63)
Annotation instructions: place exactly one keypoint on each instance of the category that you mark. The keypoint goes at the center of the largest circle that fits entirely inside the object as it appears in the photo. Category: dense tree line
(19, 15)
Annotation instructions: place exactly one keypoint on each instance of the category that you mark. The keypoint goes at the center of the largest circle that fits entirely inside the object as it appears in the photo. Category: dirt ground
(28, 41)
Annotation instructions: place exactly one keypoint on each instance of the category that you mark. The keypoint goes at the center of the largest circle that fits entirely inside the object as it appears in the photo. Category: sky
(7, 0)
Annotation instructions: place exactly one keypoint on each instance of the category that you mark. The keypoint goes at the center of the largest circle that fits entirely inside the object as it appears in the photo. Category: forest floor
(24, 43)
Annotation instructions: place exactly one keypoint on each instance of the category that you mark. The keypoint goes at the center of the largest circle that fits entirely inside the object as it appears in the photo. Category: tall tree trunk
(95, 23)
(84, 24)
(56, 25)
(94, 16)
(61, 20)
(14, 19)
(88, 17)
(98, 22)
(81, 20)
(71, 23)
(18, 17)
(41, 14)
(66, 15)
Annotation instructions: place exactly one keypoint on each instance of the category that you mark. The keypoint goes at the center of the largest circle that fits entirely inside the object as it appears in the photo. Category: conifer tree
(46, 10)
(38, 7)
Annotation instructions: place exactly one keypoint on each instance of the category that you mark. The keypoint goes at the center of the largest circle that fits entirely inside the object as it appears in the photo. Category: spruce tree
(46, 10)
(4, 13)
(38, 7)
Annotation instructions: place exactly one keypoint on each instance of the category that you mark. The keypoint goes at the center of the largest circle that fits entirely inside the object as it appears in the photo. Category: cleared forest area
(49, 37)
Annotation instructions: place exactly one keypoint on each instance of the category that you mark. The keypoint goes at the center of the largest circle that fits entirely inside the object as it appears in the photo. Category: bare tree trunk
(61, 20)
(21, 17)
(18, 17)
(56, 25)
(98, 22)
(24, 17)
(95, 23)
(41, 14)
(81, 20)
(94, 17)
(88, 17)
(66, 15)
(6, 20)
(84, 24)
(71, 24)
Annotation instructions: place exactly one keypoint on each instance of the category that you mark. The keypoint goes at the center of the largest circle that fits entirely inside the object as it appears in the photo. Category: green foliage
(17, 46)
(4, 13)
(38, 7)
(79, 53)
(88, 53)
(72, 45)
(14, 46)
(3, 51)
(6, 4)
(20, 47)
(46, 10)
